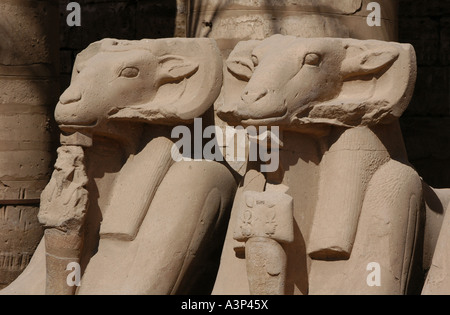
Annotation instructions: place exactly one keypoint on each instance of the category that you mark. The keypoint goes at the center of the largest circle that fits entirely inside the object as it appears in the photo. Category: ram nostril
(251, 97)
(69, 97)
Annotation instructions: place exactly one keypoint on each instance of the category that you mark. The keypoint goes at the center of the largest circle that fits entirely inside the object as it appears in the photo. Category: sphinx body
(118, 205)
(357, 203)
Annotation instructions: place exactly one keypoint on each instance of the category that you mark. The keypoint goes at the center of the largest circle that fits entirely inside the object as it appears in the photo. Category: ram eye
(312, 59)
(129, 72)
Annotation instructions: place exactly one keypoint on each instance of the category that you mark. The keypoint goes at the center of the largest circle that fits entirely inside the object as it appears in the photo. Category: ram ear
(174, 68)
(364, 60)
(378, 80)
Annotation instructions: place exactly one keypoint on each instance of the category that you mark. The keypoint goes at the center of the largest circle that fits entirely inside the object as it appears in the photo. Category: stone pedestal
(232, 21)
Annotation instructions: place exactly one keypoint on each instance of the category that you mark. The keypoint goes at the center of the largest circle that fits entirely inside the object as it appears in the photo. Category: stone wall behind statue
(423, 23)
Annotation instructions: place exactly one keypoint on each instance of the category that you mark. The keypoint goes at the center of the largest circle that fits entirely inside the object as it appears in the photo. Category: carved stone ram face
(165, 81)
(298, 82)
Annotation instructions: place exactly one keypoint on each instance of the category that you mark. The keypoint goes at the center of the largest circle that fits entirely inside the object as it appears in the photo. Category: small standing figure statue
(63, 211)
(266, 222)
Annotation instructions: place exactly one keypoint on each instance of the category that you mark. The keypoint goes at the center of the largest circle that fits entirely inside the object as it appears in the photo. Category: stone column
(28, 94)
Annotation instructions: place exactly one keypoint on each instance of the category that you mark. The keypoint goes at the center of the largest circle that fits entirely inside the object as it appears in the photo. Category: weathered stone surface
(28, 92)
(274, 103)
(437, 282)
(338, 94)
(65, 199)
(343, 7)
(356, 199)
(260, 19)
(117, 194)
(30, 45)
(20, 233)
